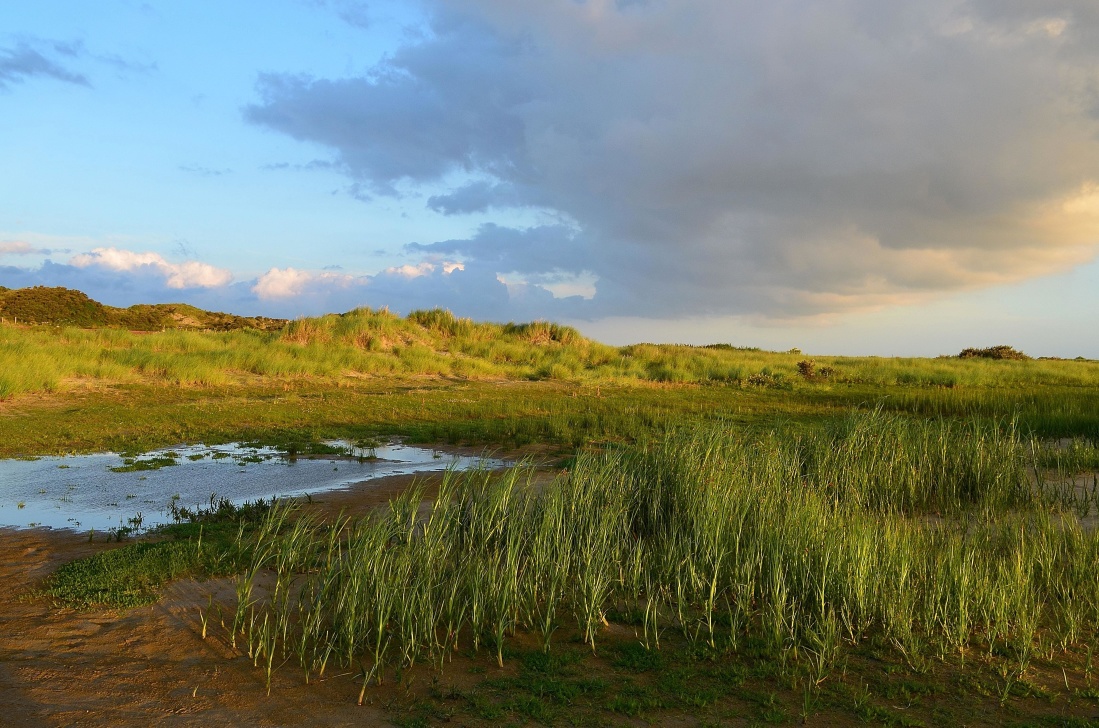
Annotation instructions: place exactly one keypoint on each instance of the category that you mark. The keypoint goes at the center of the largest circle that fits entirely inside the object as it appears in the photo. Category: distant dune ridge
(67, 307)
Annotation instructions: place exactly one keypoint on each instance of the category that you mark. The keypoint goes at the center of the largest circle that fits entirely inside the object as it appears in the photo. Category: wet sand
(149, 665)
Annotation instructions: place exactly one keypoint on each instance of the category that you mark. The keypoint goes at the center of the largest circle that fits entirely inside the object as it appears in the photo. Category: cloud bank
(122, 277)
(726, 157)
(189, 274)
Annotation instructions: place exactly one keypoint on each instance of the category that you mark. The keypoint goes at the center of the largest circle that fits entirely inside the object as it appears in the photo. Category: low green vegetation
(434, 377)
(130, 576)
(66, 307)
(994, 352)
(365, 343)
(203, 542)
(737, 532)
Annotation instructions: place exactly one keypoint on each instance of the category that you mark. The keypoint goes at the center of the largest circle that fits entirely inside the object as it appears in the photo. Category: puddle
(105, 491)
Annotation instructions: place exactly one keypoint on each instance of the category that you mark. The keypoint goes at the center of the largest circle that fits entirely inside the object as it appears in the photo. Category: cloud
(38, 57)
(18, 247)
(124, 277)
(24, 61)
(204, 171)
(189, 274)
(430, 283)
(476, 197)
(423, 268)
(352, 12)
(723, 157)
(291, 282)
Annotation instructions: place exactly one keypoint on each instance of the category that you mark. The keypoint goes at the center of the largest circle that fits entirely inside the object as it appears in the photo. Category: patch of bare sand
(150, 665)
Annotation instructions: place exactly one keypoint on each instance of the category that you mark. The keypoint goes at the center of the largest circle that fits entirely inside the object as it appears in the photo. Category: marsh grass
(926, 537)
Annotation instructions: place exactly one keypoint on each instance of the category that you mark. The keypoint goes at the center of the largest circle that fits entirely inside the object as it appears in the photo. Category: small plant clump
(133, 465)
(994, 352)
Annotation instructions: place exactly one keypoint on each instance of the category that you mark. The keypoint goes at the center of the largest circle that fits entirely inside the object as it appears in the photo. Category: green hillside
(67, 307)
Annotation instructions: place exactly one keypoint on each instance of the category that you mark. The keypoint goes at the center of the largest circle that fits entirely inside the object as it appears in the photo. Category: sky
(840, 176)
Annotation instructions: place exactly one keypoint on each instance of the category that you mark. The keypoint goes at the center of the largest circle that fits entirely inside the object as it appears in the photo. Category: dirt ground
(148, 666)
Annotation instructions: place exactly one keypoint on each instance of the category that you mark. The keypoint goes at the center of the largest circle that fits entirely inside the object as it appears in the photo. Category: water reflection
(106, 491)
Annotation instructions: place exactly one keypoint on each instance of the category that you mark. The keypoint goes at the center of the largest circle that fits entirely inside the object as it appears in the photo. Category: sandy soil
(150, 665)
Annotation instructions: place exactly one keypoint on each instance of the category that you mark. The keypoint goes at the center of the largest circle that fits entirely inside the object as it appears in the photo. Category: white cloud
(560, 284)
(289, 282)
(424, 268)
(18, 247)
(189, 274)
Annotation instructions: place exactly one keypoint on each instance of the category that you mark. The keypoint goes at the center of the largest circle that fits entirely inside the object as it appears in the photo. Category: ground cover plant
(928, 543)
(338, 349)
(433, 376)
(737, 533)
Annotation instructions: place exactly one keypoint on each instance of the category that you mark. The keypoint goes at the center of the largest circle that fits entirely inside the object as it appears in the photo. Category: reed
(928, 535)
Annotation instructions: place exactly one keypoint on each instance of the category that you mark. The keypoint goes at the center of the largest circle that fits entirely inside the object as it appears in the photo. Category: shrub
(993, 352)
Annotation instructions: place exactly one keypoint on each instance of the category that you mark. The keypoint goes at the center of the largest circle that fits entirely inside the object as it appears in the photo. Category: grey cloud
(726, 156)
(23, 61)
(204, 171)
(307, 167)
(476, 197)
(351, 12)
(508, 250)
(37, 57)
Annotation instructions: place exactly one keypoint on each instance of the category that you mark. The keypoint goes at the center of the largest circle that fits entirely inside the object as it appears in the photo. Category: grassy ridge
(67, 307)
(433, 376)
(365, 342)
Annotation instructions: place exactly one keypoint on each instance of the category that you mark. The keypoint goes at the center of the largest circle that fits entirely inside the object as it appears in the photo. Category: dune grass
(433, 376)
(925, 538)
(366, 343)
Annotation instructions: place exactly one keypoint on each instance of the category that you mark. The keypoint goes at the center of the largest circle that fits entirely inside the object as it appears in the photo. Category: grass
(925, 541)
(763, 575)
(126, 577)
(66, 307)
(758, 568)
(433, 377)
(740, 534)
(366, 342)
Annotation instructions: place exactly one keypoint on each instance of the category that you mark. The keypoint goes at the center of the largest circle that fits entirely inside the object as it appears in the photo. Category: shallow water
(81, 492)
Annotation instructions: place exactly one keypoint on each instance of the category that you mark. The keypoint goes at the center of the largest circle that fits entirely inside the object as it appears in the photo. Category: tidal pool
(85, 492)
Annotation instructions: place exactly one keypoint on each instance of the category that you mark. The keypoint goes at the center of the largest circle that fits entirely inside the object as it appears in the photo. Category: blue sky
(833, 175)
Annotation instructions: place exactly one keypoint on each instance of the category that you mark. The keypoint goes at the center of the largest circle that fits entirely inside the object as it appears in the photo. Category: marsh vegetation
(825, 536)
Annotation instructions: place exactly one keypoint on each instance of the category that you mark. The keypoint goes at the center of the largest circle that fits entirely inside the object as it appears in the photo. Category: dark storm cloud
(723, 156)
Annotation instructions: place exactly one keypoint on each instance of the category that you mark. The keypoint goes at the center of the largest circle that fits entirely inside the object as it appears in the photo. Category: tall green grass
(930, 536)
